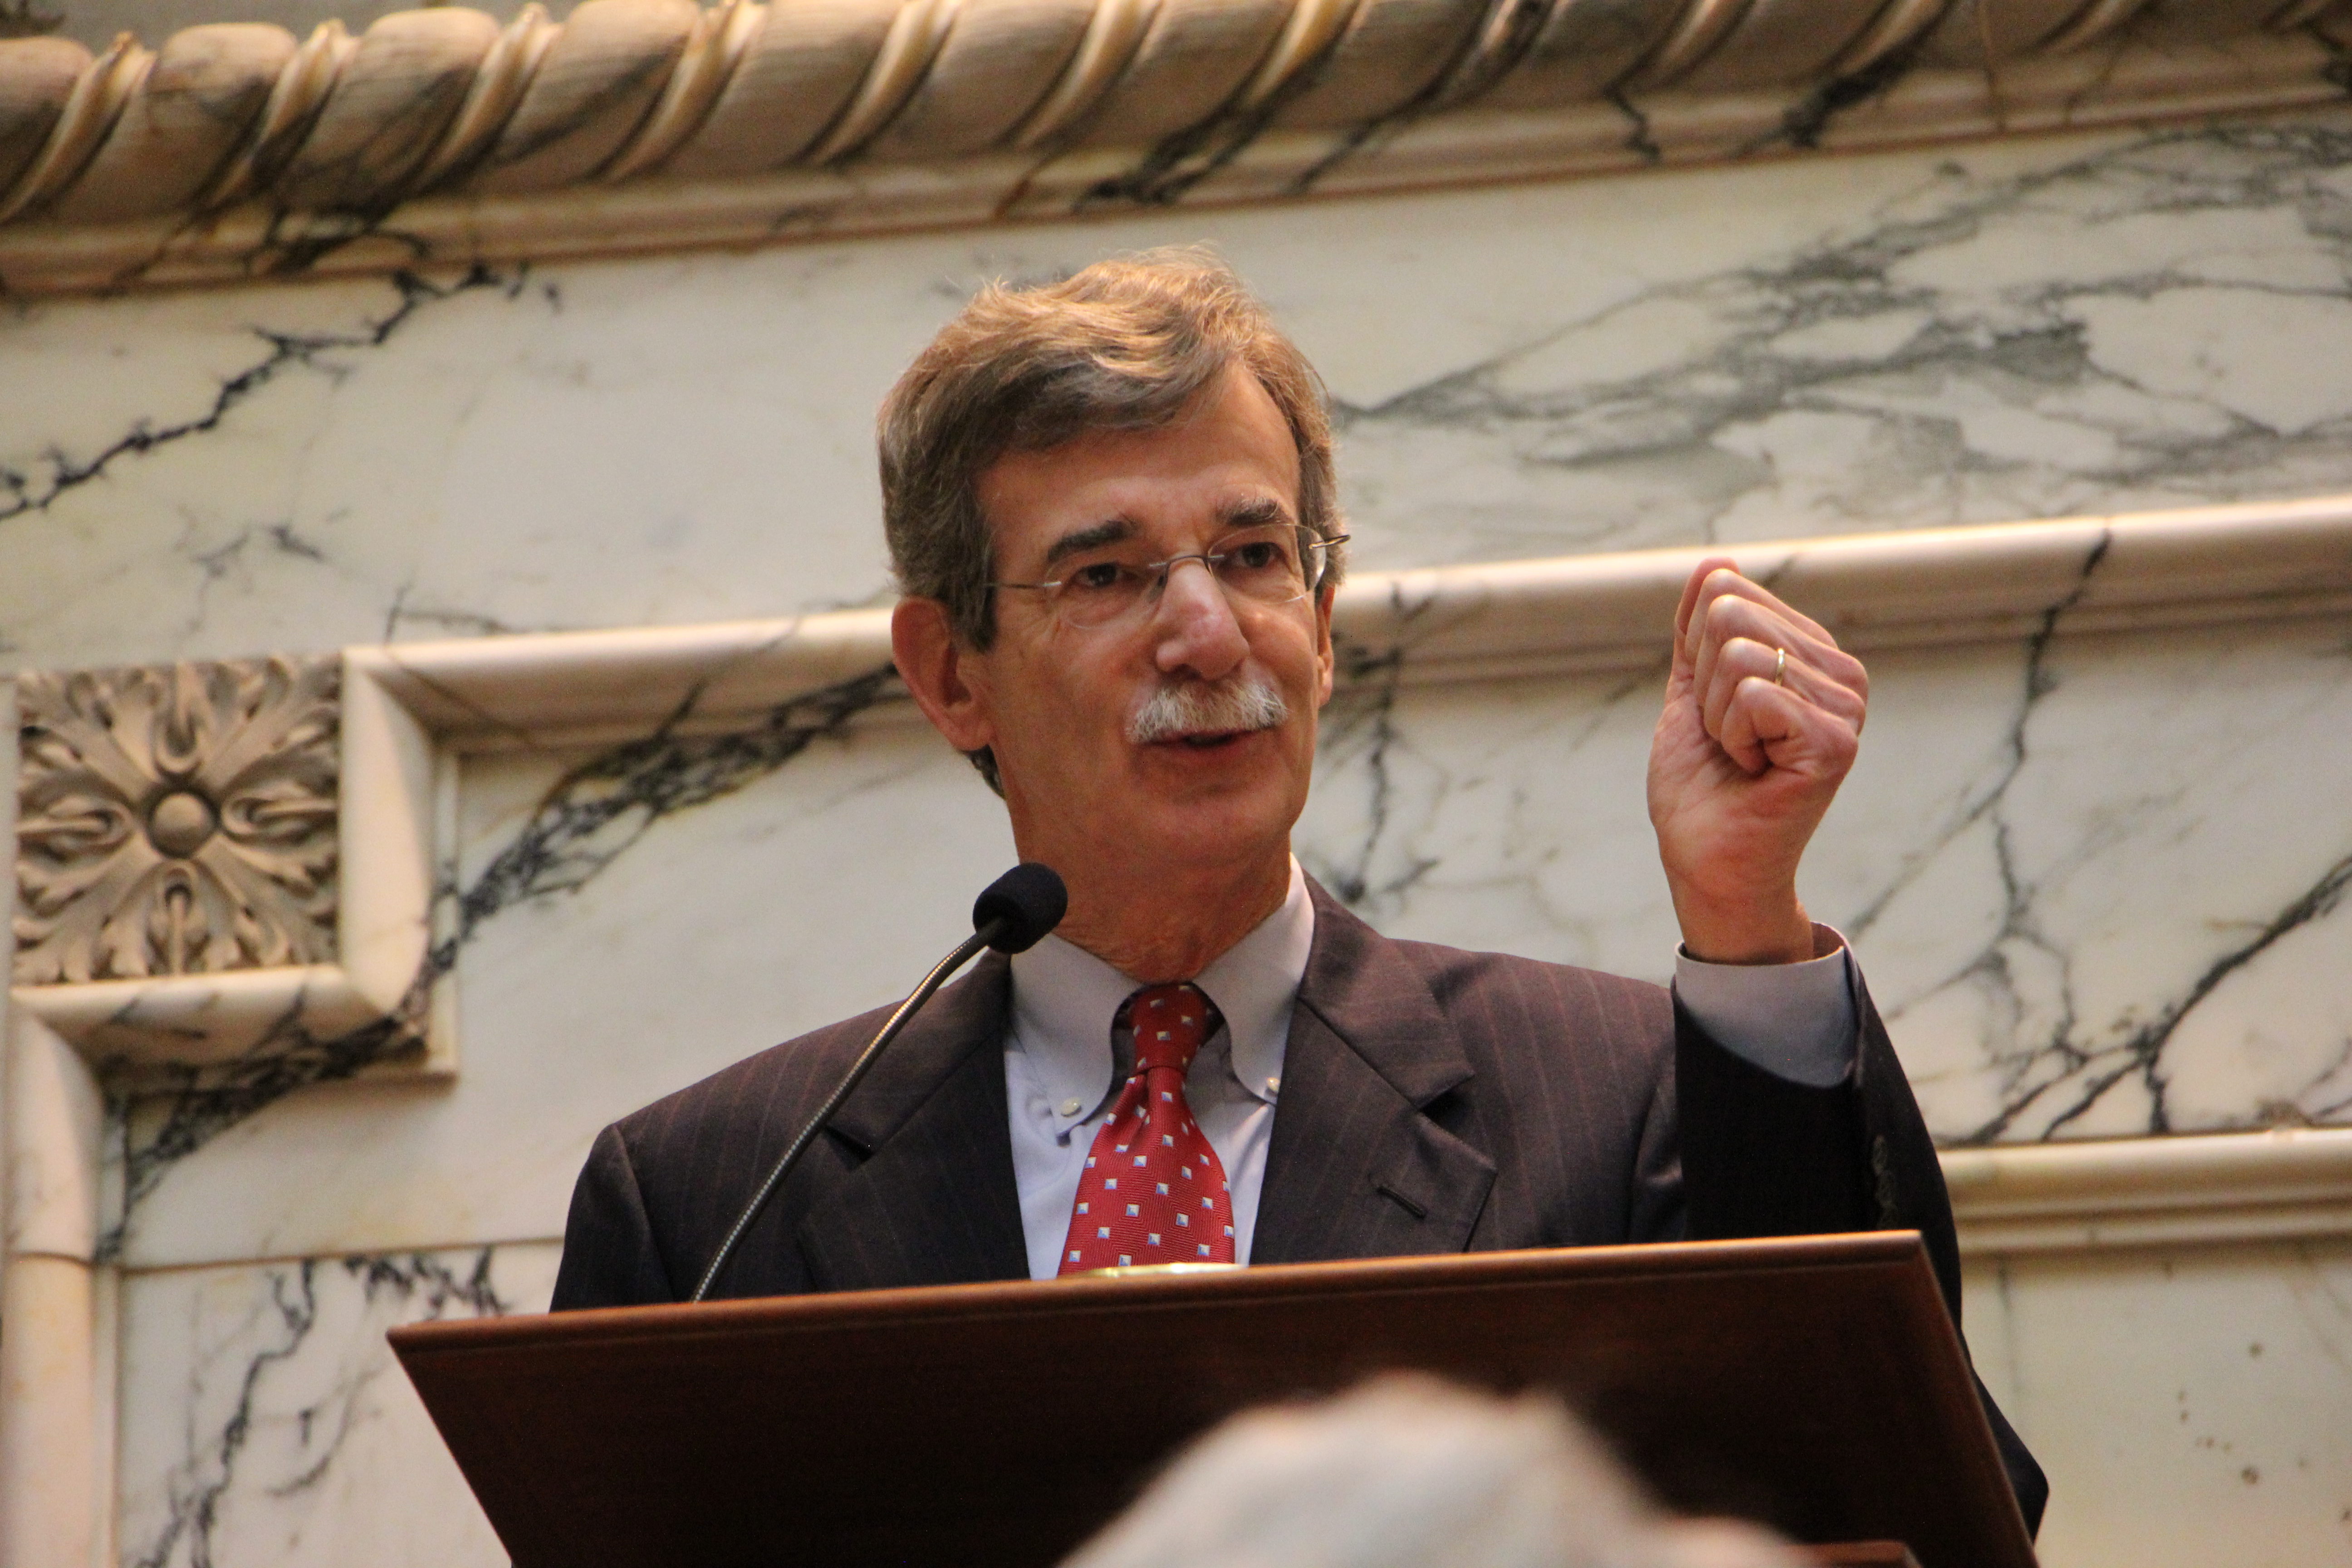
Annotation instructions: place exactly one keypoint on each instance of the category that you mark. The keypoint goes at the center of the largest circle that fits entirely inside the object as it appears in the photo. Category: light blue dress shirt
(1062, 1068)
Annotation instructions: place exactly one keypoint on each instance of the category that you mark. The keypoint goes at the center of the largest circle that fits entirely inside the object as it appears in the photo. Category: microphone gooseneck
(1011, 915)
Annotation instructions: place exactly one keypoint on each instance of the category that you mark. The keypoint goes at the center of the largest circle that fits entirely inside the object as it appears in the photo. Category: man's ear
(948, 681)
(1324, 657)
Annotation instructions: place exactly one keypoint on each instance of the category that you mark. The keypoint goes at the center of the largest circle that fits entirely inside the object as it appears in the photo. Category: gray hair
(1409, 1472)
(1126, 344)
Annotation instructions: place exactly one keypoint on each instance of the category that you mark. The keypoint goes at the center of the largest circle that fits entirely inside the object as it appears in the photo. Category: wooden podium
(1813, 1384)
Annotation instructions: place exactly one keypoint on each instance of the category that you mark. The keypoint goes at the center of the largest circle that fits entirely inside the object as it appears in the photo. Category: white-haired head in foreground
(1409, 1472)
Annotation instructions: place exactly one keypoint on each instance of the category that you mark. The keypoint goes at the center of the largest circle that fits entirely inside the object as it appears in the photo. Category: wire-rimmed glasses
(1118, 585)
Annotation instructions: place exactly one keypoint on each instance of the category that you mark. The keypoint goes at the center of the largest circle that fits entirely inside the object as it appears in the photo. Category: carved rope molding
(439, 136)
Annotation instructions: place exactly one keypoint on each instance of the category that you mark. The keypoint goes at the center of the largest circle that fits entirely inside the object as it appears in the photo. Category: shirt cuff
(1796, 1021)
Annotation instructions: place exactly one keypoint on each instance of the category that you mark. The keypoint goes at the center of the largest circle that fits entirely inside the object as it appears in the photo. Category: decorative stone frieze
(176, 820)
(234, 149)
(224, 870)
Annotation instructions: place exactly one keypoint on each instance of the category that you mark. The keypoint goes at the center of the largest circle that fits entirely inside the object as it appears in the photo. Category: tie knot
(1169, 1022)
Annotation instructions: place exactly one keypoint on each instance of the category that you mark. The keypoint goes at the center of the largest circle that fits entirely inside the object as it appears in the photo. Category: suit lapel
(1354, 1169)
(932, 1201)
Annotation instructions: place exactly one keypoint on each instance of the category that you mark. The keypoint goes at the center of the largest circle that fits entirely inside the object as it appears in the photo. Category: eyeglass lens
(1265, 565)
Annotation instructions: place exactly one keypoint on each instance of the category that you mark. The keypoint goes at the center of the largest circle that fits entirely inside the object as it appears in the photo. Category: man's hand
(1743, 764)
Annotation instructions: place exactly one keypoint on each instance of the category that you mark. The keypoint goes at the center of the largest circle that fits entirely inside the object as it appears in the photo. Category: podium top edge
(1902, 1251)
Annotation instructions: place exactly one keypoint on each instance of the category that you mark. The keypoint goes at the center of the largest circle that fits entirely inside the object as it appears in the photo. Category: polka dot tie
(1153, 1191)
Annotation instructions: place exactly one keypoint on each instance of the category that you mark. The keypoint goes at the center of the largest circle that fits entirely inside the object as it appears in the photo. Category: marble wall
(292, 1435)
(2048, 972)
(2014, 330)
(2096, 873)
(2189, 1403)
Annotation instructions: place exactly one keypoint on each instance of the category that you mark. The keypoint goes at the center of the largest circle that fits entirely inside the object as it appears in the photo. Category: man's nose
(1194, 626)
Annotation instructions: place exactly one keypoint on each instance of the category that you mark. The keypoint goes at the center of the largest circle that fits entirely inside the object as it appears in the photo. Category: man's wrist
(1746, 936)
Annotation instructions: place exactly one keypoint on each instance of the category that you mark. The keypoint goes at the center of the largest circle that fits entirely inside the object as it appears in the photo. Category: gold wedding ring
(1781, 667)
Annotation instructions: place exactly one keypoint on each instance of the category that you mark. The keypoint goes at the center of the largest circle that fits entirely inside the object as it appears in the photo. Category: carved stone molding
(409, 710)
(176, 820)
(2284, 1184)
(2252, 562)
(439, 136)
(225, 863)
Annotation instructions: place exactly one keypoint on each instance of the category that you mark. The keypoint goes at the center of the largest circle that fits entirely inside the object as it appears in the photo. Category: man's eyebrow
(1255, 512)
(1111, 532)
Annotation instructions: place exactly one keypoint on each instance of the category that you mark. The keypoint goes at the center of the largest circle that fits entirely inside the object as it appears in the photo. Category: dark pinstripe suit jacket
(1433, 1100)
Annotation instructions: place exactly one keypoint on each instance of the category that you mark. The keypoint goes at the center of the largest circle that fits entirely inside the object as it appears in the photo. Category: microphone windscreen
(1027, 900)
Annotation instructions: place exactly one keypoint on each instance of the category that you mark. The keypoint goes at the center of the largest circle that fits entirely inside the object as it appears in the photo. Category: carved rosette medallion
(178, 819)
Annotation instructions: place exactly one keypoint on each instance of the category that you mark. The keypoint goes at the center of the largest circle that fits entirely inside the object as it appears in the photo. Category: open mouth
(1213, 739)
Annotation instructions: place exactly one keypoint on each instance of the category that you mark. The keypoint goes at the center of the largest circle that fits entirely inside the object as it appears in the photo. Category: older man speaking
(1111, 507)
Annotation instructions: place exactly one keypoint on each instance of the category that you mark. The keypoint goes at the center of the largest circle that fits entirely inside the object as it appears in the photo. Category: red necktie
(1153, 1191)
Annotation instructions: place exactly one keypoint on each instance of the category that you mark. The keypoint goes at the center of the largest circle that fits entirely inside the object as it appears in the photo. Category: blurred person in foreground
(1409, 1472)
(1111, 505)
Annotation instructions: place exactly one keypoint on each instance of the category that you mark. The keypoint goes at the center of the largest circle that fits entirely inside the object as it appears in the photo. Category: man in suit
(1111, 507)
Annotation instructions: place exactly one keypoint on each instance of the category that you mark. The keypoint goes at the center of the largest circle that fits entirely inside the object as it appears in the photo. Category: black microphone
(1010, 915)
(1019, 908)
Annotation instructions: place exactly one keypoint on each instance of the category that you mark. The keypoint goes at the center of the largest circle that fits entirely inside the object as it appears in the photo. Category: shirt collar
(1064, 998)
(1255, 983)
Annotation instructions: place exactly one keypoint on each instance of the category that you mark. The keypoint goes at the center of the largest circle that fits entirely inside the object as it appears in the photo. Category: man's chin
(1193, 811)
(1200, 821)
(1236, 782)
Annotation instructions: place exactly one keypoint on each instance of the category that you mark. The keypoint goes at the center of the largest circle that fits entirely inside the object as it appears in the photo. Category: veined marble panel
(2095, 880)
(2016, 330)
(2187, 1402)
(2151, 319)
(267, 1421)
(2059, 860)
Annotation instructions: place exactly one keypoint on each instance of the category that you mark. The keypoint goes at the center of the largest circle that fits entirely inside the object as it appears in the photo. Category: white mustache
(1188, 708)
